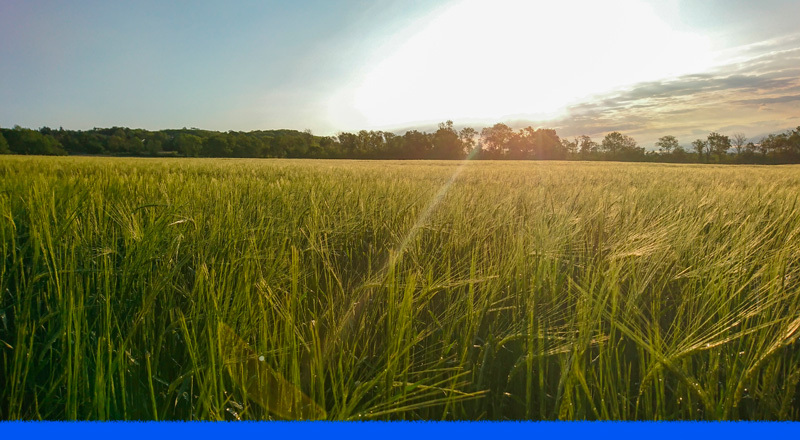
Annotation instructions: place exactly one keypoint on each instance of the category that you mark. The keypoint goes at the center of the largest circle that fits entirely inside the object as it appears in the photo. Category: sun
(479, 60)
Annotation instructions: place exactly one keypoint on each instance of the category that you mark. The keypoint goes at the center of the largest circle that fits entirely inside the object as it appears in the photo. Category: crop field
(199, 289)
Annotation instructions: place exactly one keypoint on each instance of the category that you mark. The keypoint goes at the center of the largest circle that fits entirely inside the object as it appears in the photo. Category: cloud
(787, 98)
(758, 92)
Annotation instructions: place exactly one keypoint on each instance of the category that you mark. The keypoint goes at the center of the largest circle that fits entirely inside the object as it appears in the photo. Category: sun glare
(517, 58)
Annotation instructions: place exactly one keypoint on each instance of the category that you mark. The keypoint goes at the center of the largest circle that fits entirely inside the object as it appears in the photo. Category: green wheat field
(195, 289)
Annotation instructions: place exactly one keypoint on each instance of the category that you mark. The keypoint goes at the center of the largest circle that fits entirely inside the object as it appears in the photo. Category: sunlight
(517, 58)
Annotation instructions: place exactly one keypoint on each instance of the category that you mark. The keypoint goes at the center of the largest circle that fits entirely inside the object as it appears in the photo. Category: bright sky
(493, 60)
(643, 67)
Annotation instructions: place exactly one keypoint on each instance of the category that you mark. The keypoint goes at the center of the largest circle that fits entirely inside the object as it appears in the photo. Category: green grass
(271, 289)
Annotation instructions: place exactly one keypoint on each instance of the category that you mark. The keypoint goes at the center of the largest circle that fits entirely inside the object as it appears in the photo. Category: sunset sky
(646, 68)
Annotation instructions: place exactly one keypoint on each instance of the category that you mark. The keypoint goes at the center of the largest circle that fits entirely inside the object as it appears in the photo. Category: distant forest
(497, 142)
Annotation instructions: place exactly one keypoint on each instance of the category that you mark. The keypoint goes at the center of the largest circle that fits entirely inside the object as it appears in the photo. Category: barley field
(199, 289)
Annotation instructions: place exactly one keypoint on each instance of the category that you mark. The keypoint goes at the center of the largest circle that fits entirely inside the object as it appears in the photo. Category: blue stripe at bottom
(399, 430)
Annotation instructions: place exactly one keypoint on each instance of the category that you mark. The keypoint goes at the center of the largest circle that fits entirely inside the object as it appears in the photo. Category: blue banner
(399, 430)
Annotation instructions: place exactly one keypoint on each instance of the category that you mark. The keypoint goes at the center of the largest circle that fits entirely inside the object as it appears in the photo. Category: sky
(645, 68)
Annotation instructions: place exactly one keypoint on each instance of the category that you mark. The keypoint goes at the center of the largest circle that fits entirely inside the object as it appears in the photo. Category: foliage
(700, 146)
(499, 142)
(620, 146)
(4, 145)
(718, 144)
(739, 141)
(667, 144)
(24, 141)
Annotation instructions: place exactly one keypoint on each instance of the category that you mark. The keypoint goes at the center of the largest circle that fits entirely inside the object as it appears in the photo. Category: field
(160, 289)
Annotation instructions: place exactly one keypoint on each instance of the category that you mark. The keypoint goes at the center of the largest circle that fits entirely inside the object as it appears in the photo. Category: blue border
(399, 430)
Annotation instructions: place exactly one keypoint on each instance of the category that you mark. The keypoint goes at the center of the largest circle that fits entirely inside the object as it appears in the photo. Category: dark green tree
(699, 146)
(26, 141)
(570, 146)
(718, 144)
(586, 146)
(154, 142)
(217, 146)
(495, 141)
(348, 144)
(188, 144)
(739, 140)
(4, 145)
(446, 143)
(370, 144)
(620, 146)
(417, 145)
(545, 144)
(468, 137)
(666, 144)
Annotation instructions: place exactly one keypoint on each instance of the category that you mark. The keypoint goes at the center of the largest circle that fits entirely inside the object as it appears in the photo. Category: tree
(618, 144)
(217, 146)
(313, 142)
(570, 146)
(154, 142)
(25, 141)
(467, 136)
(293, 145)
(784, 145)
(394, 146)
(794, 142)
(4, 145)
(417, 145)
(667, 143)
(244, 145)
(772, 144)
(370, 143)
(544, 143)
(116, 143)
(189, 145)
(718, 144)
(495, 140)
(520, 145)
(326, 144)
(586, 145)
(348, 144)
(678, 154)
(699, 146)
(739, 140)
(446, 142)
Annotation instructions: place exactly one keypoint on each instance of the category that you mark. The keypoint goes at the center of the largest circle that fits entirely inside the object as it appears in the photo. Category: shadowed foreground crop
(224, 290)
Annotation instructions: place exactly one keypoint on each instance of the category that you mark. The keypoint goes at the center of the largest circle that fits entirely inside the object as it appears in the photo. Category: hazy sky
(646, 68)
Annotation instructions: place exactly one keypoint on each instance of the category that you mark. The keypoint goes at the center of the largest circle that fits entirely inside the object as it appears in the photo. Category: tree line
(498, 142)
